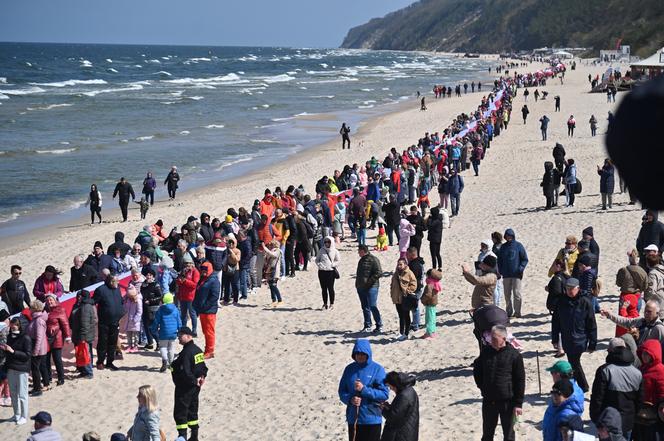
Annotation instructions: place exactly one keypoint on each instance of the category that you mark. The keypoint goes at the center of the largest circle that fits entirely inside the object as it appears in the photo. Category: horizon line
(169, 44)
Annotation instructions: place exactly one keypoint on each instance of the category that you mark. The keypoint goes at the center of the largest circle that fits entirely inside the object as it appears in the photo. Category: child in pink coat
(133, 307)
(406, 229)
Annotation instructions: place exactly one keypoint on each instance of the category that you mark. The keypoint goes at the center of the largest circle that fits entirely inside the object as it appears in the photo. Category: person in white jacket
(327, 261)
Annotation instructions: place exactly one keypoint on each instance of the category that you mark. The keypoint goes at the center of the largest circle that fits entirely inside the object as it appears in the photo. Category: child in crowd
(423, 202)
(430, 300)
(381, 240)
(165, 325)
(133, 307)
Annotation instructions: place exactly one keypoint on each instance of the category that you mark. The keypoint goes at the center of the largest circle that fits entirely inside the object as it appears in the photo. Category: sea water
(73, 115)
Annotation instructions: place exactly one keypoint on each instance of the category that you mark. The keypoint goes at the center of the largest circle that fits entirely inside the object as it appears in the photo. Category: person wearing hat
(587, 279)
(589, 236)
(512, 262)
(484, 284)
(555, 294)
(188, 372)
(617, 384)
(123, 189)
(187, 281)
(172, 180)
(578, 328)
(560, 410)
(500, 376)
(98, 260)
(48, 283)
(652, 232)
(165, 328)
(43, 430)
(560, 370)
(584, 250)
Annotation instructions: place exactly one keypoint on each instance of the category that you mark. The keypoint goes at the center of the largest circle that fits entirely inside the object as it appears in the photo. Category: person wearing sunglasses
(14, 292)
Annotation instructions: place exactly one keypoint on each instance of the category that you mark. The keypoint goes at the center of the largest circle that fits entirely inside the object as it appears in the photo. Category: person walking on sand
(512, 261)
(345, 136)
(557, 103)
(606, 182)
(149, 186)
(94, 202)
(569, 178)
(544, 125)
(578, 328)
(367, 282)
(362, 389)
(123, 189)
(188, 371)
(172, 181)
(524, 113)
(423, 105)
(500, 376)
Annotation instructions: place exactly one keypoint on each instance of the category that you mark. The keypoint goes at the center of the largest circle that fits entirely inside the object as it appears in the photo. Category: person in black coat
(556, 294)
(578, 328)
(110, 310)
(151, 293)
(606, 182)
(548, 185)
(434, 227)
(14, 292)
(206, 229)
(418, 222)
(18, 351)
(500, 375)
(119, 244)
(172, 182)
(392, 218)
(652, 232)
(83, 323)
(402, 416)
(81, 275)
(559, 157)
(123, 189)
(98, 260)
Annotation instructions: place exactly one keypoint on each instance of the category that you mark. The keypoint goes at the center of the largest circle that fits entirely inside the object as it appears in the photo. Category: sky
(294, 23)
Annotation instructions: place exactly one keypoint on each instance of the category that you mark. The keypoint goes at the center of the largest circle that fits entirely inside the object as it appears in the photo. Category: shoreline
(74, 218)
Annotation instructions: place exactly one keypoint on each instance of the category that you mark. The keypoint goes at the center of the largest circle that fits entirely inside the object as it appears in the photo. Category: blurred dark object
(634, 142)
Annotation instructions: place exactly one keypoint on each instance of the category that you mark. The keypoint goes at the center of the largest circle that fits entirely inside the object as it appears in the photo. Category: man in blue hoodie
(512, 261)
(362, 389)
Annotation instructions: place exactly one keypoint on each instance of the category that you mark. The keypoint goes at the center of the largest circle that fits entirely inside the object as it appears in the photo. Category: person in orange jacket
(187, 281)
(266, 205)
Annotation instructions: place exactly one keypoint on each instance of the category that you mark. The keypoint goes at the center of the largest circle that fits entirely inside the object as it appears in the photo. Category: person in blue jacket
(165, 325)
(560, 411)
(512, 262)
(562, 370)
(362, 390)
(455, 186)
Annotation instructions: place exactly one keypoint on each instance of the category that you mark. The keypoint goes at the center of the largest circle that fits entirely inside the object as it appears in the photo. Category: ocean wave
(163, 73)
(56, 151)
(323, 96)
(119, 89)
(8, 218)
(3, 80)
(264, 141)
(3, 97)
(50, 106)
(250, 57)
(196, 60)
(138, 65)
(366, 107)
(29, 64)
(278, 78)
(111, 70)
(70, 83)
(185, 132)
(155, 61)
(28, 91)
(85, 64)
(108, 60)
(221, 79)
(140, 83)
(144, 138)
(341, 79)
(214, 126)
(177, 93)
(236, 161)
(195, 98)
(367, 90)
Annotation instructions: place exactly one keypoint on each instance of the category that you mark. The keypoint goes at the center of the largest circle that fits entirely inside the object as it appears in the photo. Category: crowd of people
(150, 288)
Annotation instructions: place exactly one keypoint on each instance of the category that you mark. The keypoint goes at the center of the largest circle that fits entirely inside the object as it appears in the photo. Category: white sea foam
(196, 60)
(3, 80)
(164, 73)
(144, 138)
(155, 61)
(56, 151)
(236, 161)
(214, 126)
(365, 107)
(28, 91)
(341, 79)
(50, 106)
(366, 90)
(108, 60)
(324, 65)
(278, 79)
(11, 217)
(264, 141)
(385, 88)
(70, 83)
(177, 93)
(265, 106)
(323, 96)
(138, 65)
(195, 98)
(185, 132)
(119, 89)
(3, 97)
(110, 69)
(64, 143)
(86, 63)
(225, 78)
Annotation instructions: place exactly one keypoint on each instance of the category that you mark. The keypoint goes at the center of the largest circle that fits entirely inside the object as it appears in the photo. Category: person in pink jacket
(406, 229)
(36, 330)
(57, 332)
(133, 307)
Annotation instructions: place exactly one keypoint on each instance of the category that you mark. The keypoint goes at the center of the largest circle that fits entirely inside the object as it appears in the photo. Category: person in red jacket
(650, 353)
(57, 333)
(267, 206)
(630, 279)
(187, 281)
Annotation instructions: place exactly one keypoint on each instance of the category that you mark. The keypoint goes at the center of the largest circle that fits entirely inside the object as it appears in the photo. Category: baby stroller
(485, 318)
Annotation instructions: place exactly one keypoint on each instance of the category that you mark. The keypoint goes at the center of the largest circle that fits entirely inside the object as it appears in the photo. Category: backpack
(578, 187)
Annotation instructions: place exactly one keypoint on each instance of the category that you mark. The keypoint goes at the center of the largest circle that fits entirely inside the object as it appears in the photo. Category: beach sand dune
(276, 371)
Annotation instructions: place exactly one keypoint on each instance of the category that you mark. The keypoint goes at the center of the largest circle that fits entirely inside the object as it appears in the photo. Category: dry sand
(277, 370)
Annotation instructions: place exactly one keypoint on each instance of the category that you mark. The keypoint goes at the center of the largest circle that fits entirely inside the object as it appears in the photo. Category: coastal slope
(492, 26)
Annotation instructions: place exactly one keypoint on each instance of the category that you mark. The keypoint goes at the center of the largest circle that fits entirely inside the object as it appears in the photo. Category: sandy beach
(276, 371)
